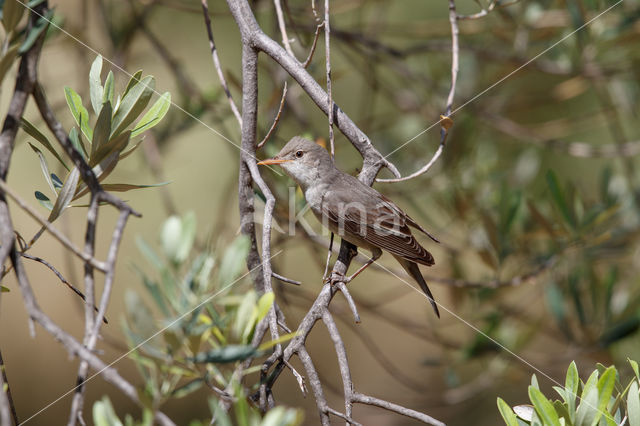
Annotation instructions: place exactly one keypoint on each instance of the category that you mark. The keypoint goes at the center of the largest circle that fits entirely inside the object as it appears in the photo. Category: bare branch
(445, 121)
(276, 120)
(313, 45)
(47, 225)
(369, 400)
(216, 63)
(489, 9)
(285, 279)
(7, 407)
(283, 28)
(327, 52)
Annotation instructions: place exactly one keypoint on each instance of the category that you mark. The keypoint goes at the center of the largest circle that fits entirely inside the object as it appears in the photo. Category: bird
(356, 212)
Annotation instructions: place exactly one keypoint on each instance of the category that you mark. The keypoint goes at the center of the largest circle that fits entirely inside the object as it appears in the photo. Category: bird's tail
(413, 270)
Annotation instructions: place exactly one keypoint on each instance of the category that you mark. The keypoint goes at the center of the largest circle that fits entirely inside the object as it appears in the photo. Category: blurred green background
(535, 198)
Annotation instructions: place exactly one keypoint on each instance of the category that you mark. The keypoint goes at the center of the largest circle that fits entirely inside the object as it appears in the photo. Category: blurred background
(535, 199)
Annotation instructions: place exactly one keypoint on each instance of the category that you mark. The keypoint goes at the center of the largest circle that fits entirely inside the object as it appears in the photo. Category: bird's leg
(335, 277)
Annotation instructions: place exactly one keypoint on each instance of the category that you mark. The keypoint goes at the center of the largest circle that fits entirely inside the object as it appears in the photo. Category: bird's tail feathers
(413, 270)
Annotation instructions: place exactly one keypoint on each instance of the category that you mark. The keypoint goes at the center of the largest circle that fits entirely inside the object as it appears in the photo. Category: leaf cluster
(198, 325)
(600, 401)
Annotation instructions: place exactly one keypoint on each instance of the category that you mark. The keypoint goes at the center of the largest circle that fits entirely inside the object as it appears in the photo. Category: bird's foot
(336, 277)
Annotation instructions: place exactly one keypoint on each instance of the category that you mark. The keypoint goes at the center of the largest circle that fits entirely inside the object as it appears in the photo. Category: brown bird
(353, 210)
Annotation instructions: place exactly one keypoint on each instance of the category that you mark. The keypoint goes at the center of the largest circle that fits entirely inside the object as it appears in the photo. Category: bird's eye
(299, 154)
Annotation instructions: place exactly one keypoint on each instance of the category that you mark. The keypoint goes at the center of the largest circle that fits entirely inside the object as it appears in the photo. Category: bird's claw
(336, 277)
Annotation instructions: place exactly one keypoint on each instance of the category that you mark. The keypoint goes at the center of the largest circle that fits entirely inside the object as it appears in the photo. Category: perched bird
(353, 210)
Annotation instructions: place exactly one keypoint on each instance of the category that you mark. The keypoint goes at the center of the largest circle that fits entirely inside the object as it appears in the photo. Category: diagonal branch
(445, 121)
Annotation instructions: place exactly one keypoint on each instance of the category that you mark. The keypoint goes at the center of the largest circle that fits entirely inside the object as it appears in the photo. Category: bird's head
(303, 160)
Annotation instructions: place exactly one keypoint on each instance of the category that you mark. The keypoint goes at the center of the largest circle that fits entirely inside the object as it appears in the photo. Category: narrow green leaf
(65, 195)
(135, 79)
(35, 32)
(78, 111)
(130, 151)
(560, 199)
(225, 354)
(95, 84)
(57, 182)
(12, 11)
(4, 289)
(264, 305)
(587, 410)
(633, 405)
(271, 343)
(102, 171)
(115, 145)
(132, 104)
(154, 115)
(44, 167)
(148, 252)
(44, 200)
(77, 143)
(219, 413)
(571, 388)
(605, 389)
(543, 407)
(104, 414)
(634, 366)
(534, 382)
(8, 60)
(32, 131)
(246, 315)
(232, 261)
(124, 187)
(108, 91)
(102, 129)
(188, 388)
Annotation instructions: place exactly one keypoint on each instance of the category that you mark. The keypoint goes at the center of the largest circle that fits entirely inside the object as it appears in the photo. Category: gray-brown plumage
(353, 210)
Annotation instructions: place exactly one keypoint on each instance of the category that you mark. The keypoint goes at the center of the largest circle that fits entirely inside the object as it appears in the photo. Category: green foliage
(196, 323)
(601, 401)
(104, 143)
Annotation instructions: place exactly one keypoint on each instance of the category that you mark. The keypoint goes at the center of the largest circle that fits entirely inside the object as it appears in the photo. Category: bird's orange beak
(272, 161)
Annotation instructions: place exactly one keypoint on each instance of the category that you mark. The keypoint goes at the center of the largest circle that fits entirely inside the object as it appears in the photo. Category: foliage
(601, 400)
(107, 140)
(199, 326)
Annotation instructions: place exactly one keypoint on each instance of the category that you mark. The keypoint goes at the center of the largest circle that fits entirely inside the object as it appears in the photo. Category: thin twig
(390, 406)
(348, 419)
(352, 305)
(329, 251)
(216, 63)
(283, 28)
(53, 231)
(316, 36)
(489, 9)
(276, 120)
(60, 277)
(327, 52)
(285, 279)
(445, 121)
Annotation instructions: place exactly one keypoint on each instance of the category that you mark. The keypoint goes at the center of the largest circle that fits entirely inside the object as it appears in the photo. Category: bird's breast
(314, 195)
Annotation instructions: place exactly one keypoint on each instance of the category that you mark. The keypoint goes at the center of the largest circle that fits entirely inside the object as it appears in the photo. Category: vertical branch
(327, 52)
(91, 335)
(7, 407)
(283, 28)
(216, 63)
(249, 127)
(89, 317)
(341, 352)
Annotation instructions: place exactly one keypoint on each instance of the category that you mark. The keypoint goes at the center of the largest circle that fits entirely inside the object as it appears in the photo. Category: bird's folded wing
(377, 221)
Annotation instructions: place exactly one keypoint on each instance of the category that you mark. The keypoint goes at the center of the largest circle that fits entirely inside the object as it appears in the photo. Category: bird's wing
(376, 220)
(409, 220)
